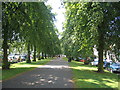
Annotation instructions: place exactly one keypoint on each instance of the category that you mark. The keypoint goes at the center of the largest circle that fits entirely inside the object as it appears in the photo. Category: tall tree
(33, 26)
(88, 24)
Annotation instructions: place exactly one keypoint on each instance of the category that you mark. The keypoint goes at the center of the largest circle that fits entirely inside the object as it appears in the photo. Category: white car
(11, 58)
(95, 63)
(17, 56)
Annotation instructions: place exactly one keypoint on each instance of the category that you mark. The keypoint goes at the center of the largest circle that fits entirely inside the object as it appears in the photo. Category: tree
(33, 27)
(10, 31)
(88, 24)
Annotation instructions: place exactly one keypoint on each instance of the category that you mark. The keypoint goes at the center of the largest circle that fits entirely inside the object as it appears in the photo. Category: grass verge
(22, 67)
(85, 77)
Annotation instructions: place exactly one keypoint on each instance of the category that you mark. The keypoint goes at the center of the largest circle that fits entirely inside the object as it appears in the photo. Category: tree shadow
(91, 79)
(52, 78)
(81, 64)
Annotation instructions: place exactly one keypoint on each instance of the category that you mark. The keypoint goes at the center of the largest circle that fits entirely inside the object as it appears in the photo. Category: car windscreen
(116, 64)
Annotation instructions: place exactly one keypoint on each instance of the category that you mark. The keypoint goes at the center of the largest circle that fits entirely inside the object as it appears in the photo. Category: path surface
(55, 74)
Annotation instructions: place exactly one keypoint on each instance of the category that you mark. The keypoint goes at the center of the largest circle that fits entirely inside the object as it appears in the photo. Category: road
(55, 74)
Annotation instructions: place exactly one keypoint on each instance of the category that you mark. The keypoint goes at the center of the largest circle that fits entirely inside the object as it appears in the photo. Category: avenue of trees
(28, 26)
(89, 25)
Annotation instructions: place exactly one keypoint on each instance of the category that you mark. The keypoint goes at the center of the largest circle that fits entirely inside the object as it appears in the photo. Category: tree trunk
(5, 28)
(105, 54)
(45, 56)
(39, 56)
(6, 64)
(52, 56)
(48, 55)
(100, 50)
(42, 56)
(34, 53)
(28, 59)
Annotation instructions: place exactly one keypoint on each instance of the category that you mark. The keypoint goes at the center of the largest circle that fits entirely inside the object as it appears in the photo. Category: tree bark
(6, 64)
(34, 53)
(100, 50)
(45, 56)
(28, 59)
(39, 56)
(105, 54)
(42, 56)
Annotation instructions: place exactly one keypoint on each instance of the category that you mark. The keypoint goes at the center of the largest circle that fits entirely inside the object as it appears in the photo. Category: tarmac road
(55, 74)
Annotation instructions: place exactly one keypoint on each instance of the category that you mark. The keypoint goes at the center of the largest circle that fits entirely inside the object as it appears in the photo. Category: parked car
(106, 63)
(17, 56)
(95, 63)
(12, 58)
(23, 57)
(79, 59)
(82, 60)
(31, 57)
(113, 67)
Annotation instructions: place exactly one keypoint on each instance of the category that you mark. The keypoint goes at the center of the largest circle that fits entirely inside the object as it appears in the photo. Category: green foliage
(26, 25)
(89, 24)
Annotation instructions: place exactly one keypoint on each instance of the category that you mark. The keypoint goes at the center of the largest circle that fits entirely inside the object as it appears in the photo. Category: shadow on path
(55, 74)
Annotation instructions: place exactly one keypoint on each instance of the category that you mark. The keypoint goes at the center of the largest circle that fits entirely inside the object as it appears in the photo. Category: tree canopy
(29, 24)
(90, 24)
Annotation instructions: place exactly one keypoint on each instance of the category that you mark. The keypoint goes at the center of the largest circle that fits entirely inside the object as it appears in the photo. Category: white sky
(59, 10)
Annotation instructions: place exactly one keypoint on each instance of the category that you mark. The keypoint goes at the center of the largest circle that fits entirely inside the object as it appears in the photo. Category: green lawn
(85, 76)
(22, 67)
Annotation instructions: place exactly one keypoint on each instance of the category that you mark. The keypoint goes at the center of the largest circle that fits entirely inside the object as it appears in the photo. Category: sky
(59, 10)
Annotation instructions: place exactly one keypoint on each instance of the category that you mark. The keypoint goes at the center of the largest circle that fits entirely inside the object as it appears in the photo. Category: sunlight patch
(25, 66)
(90, 80)
(84, 68)
(54, 66)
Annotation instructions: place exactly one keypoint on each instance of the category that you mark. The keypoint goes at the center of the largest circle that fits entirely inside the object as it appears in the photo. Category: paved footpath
(55, 74)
